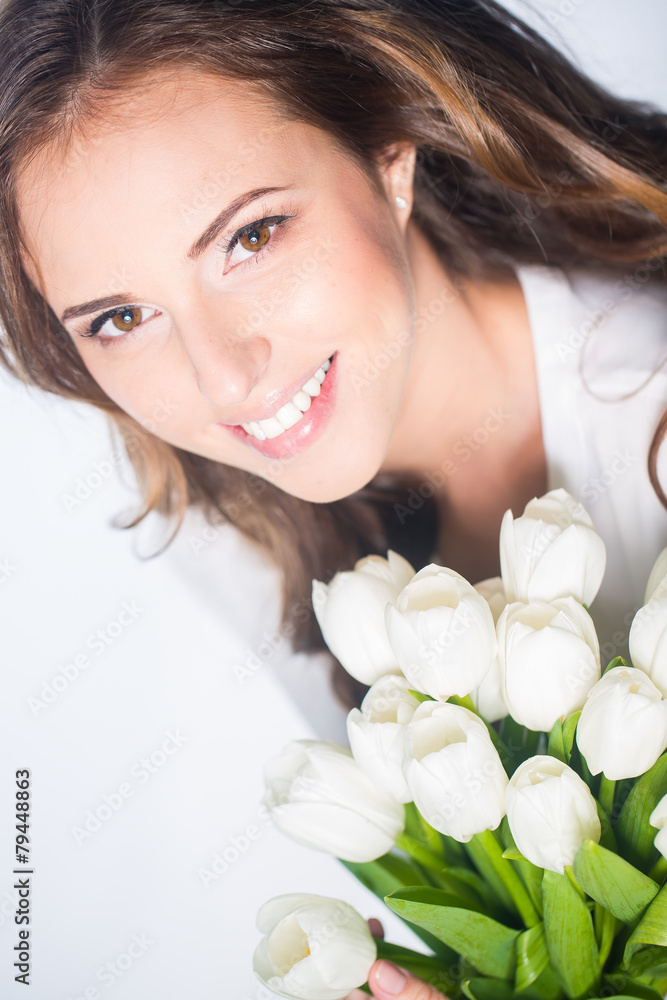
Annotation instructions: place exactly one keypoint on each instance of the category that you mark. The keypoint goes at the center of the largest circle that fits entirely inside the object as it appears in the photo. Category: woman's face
(221, 257)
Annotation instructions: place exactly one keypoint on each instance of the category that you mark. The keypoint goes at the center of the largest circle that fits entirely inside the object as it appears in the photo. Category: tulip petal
(273, 911)
(335, 830)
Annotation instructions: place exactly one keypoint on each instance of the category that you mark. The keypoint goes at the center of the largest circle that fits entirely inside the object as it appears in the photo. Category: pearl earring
(401, 202)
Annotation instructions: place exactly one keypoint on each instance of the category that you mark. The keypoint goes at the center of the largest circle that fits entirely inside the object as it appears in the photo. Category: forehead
(172, 147)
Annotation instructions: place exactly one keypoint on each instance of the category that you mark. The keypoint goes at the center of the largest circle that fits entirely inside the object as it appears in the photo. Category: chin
(329, 488)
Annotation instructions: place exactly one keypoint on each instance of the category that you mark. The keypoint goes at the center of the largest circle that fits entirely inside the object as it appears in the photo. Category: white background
(201, 609)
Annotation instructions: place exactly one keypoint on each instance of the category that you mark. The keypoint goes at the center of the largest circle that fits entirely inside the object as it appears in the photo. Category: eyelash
(92, 330)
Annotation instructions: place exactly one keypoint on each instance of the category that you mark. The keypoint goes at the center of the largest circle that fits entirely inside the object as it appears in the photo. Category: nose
(227, 364)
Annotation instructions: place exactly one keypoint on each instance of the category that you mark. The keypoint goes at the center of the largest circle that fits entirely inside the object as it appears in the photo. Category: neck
(469, 421)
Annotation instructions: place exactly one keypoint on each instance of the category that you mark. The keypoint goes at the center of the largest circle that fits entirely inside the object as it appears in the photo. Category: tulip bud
(318, 795)
(453, 770)
(656, 588)
(658, 819)
(376, 734)
(551, 551)
(648, 641)
(623, 726)
(549, 659)
(315, 947)
(350, 612)
(488, 697)
(550, 812)
(442, 633)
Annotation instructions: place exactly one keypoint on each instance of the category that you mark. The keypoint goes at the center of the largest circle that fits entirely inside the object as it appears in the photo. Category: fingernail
(391, 979)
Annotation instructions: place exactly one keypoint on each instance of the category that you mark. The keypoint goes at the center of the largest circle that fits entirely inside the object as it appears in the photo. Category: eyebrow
(196, 250)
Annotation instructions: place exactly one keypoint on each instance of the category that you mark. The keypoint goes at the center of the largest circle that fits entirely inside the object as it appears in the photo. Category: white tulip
(493, 592)
(648, 641)
(488, 697)
(658, 819)
(551, 551)
(376, 733)
(350, 612)
(623, 726)
(453, 770)
(656, 588)
(315, 948)
(318, 795)
(442, 633)
(550, 812)
(549, 660)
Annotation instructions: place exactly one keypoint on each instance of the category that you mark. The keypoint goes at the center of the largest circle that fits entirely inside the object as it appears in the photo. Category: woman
(287, 248)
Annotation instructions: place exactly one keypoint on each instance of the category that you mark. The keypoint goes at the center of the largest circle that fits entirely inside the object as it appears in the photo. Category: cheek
(352, 292)
(150, 391)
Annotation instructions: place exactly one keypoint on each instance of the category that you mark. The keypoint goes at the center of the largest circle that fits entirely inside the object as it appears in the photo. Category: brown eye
(127, 319)
(255, 239)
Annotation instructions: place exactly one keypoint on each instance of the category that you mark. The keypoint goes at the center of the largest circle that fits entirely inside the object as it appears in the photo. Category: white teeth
(312, 387)
(288, 415)
(291, 413)
(254, 428)
(302, 400)
(271, 427)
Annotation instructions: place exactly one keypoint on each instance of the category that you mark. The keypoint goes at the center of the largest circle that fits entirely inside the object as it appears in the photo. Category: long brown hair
(520, 159)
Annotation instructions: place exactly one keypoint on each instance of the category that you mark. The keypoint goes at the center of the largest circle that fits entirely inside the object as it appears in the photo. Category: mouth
(296, 424)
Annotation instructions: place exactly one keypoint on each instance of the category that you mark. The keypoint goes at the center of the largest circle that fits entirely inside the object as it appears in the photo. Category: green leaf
(546, 987)
(487, 944)
(532, 956)
(607, 835)
(556, 745)
(630, 988)
(513, 854)
(634, 833)
(487, 870)
(613, 882)
(489, 842)
(487, 989)
(561, 738)
(651, 929)
(618, 661)
(570, 935)
(647, 961)
(420, 696)
(387, 874)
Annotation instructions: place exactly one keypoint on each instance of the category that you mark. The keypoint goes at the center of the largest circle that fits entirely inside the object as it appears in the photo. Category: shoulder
(606, 328)
(600, 351)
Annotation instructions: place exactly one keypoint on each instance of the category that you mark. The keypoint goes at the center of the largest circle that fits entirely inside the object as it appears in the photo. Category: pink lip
(303, 434)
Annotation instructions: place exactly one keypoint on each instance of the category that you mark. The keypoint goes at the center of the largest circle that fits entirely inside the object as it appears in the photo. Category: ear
(396, 166)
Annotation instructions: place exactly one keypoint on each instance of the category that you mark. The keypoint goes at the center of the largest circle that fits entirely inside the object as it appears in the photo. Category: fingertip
(386, 979)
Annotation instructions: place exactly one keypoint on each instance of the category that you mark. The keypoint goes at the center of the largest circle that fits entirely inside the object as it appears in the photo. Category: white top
(596, 339)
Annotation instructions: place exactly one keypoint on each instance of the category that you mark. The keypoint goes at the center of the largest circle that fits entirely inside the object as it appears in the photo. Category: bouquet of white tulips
(502, 794)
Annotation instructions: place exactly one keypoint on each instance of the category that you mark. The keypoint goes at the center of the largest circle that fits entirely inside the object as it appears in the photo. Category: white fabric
(596, 339)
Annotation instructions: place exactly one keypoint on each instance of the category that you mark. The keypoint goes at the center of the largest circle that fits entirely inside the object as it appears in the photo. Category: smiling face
(215, 264)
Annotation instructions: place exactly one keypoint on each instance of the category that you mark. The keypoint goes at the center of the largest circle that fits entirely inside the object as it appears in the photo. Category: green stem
(419, 853)
(605, 923)
(659, 872)
(505, 871)
(606, 794)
